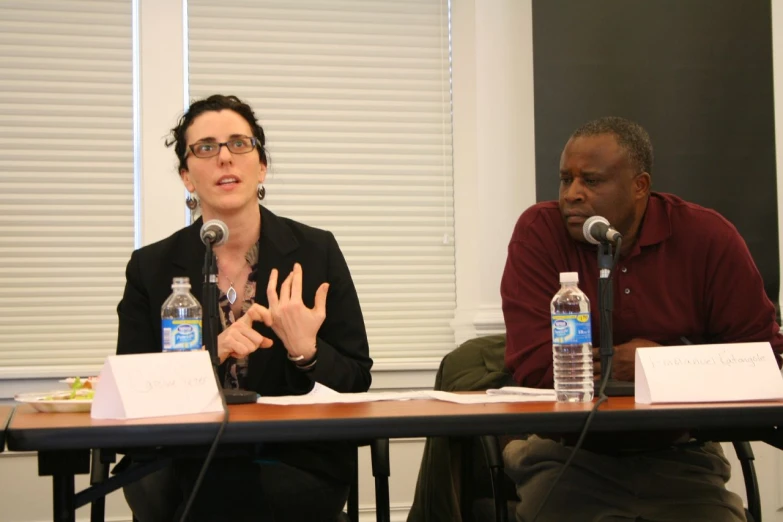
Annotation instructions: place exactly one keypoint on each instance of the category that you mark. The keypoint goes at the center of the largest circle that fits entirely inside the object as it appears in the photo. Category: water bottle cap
(569, 277)
(180, 282)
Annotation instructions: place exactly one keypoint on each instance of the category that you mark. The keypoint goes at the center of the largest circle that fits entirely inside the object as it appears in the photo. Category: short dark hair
(216, 102)
(631, 136)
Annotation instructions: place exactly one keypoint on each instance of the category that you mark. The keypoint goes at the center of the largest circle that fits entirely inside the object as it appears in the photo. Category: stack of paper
(323, 395)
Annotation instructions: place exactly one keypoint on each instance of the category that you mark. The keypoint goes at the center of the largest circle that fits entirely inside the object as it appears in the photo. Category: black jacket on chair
(343, 352)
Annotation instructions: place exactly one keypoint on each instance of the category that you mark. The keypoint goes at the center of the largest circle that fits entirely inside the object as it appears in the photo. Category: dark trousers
(684, 483)
(237, 489)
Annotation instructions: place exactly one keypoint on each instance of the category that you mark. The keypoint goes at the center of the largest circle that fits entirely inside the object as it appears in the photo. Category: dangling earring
(261, 192)
(191, 202)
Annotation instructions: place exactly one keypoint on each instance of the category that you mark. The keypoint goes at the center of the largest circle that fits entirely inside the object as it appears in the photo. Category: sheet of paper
(156, 385)
(319, 396)
(707, 373)
(489, 398)
(321, 390)
(537, 393)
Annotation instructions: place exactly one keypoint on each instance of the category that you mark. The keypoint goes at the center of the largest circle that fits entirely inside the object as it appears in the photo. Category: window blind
(66, 182)
(354, 96)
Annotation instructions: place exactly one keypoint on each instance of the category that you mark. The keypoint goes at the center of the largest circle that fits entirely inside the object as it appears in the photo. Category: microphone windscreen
(588, 224)
(214, 232)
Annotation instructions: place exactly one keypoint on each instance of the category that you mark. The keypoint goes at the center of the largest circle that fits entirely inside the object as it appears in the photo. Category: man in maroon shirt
(684, 273)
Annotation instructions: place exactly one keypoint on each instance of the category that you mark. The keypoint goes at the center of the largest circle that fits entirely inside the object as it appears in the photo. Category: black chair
(746, 459)
(379, 451)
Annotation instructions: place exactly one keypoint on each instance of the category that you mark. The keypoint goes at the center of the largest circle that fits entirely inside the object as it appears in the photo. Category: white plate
(43, 403)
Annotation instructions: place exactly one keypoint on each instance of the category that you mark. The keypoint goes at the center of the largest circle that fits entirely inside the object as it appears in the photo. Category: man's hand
(294, 323)
(623, 360)
(240, 340)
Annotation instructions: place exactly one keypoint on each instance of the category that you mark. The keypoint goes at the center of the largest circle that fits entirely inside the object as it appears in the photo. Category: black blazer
(343, 351)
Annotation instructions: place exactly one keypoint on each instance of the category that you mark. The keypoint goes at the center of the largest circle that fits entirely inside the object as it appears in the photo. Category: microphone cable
(602, 398)
(210, 454)
(213, 233)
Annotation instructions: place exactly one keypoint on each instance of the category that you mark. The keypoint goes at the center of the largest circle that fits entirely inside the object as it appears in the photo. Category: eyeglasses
(237, 145)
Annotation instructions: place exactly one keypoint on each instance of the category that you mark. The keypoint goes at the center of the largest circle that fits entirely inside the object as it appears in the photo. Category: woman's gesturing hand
(294, 323)
(240, 340)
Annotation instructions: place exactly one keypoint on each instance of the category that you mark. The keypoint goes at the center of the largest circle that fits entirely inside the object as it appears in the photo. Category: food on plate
(81, 390)
(89, 382)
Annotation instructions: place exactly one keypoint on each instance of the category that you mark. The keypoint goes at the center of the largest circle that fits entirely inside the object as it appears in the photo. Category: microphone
(597, 230)
(214, 232)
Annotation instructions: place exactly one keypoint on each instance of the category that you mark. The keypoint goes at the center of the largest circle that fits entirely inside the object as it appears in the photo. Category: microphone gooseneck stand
(605, 387)
(606, 261)
(211, 326)
(212, 232)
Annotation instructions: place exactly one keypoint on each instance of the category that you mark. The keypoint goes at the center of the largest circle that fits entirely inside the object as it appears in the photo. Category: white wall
(494, 149)
(160, 86)
(494, 154)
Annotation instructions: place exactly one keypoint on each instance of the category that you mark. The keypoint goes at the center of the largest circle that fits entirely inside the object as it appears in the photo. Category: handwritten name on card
(156, 385)
(707, 373)
(722, 358)
(166, 384)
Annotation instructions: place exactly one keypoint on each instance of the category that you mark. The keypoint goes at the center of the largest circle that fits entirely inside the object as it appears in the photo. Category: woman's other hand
(294, 323)
(240, 340)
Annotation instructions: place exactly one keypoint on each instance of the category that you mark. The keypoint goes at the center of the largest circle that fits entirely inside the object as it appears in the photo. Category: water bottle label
(571, 329)
(181, 335)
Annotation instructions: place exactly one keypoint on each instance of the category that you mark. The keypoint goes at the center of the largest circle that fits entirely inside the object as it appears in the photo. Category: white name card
(156, 385)
(707, 373)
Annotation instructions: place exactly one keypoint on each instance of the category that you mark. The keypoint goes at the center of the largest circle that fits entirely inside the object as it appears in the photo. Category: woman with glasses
(290, 318)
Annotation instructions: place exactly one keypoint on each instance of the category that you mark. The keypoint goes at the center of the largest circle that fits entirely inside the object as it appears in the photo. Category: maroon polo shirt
(689, 274)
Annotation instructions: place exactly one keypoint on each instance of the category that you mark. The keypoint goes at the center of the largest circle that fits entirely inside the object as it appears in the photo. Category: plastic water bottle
(180, 318)
(572, 341)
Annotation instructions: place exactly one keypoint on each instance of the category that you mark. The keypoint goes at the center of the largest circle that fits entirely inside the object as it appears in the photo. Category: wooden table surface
(31, 430)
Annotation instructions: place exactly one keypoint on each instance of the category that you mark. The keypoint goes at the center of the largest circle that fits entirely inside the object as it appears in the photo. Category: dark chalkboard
(697, 74)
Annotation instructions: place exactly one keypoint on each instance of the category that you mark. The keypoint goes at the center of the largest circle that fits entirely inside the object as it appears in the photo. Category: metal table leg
(63, 497)
(62, 466)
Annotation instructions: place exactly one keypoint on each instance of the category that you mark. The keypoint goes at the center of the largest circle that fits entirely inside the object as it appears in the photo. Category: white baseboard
(398, 513)
(86, 518)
